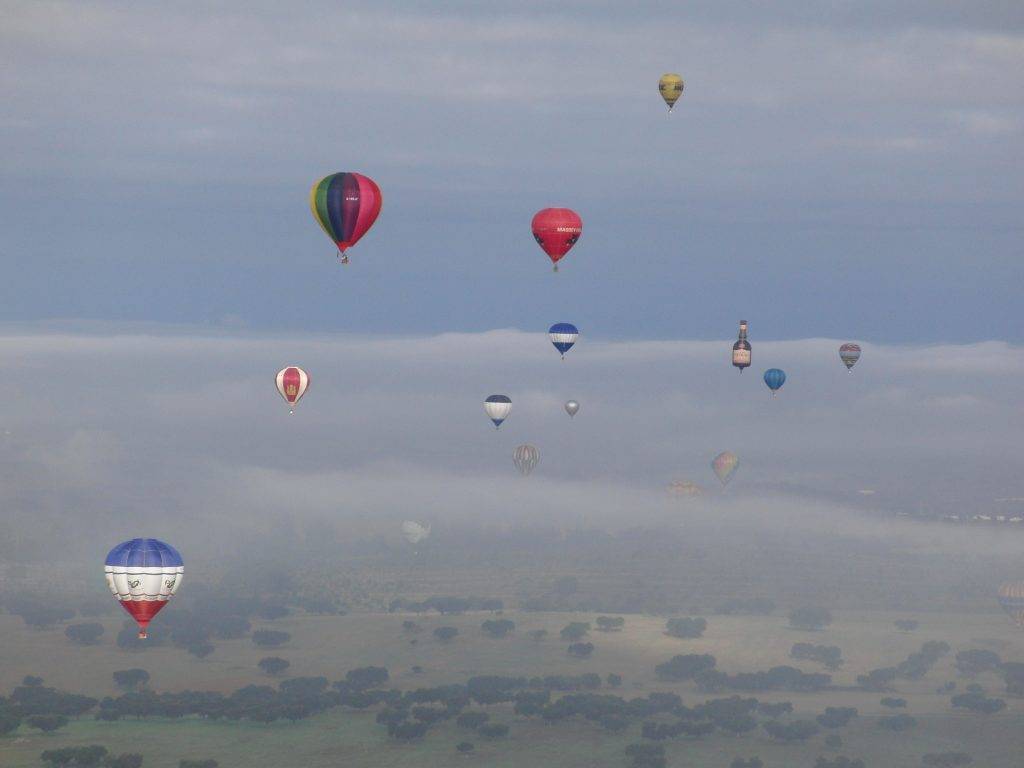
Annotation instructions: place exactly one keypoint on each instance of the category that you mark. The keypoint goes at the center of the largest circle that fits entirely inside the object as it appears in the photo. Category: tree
(200, 650)
(79, 757)
(610, 623)
(829, 655)
(685, 667)
(810, 618)
(273, 665)
(581, 650)
(411, 627)
(47, 723)
(273, 612)
(646, 755)
(799, 730)
(472, 720)
(906, 625)
(877, 679)
(614, 680)
(126, 760)
(946, 759)
(364, 678)
(839, 762)
(834, 741)
(270, 638)
(446, 634)
(538, 634)
(574, 631)
(893, 703)
(976, 702)
(493, 730)
(897, 722)
(32, 681)
(131, 679)
(84, 634)
(686, 628)
(974, 662)
(836, 717)
(498, 628)
(465, 747)
(1013, 676)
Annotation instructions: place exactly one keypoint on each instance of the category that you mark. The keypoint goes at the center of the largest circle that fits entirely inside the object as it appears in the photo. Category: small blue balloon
(774, 378)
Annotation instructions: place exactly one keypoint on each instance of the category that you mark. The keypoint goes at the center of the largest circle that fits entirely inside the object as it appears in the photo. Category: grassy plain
(330, 646)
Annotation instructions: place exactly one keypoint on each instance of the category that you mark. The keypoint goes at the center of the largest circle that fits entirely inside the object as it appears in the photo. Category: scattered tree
(538, 634)
(273, 665)
(581, 650)
(686, 628)
(446, 634)
(46, 723)
(131, 679)
(810, 618)
(685, 667)
(574, 631)
(498, 628)
(84, 634)
(897, 722)
(610, 623)
(614, 680)
(465, 747)
(946, 759)
(78, 757)
(893, 703)
(906, 625)
(270, 638)
(975, 662)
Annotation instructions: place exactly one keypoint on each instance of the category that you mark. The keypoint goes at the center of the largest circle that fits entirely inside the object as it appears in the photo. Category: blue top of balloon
(774, 378)
(145, 553)
(498, 399)
(564, 328)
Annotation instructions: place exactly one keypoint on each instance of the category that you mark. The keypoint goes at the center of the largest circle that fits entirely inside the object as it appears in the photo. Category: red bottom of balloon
(143, 611)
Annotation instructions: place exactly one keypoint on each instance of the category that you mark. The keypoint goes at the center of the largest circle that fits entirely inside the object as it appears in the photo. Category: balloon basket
(142, 634)
(554, 268)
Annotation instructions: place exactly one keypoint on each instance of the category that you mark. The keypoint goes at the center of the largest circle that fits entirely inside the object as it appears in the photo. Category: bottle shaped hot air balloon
(572, 407)
(526, 457)
(741, 349)
(497, 408)
(143, 574)
(556, 230)
(292, 383)
(345, 205)
(774, 378)
(563, 336)
(849, 353)
(670, 86)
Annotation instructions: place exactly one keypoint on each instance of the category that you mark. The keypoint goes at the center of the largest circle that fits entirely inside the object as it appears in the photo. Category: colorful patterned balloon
(345, 205)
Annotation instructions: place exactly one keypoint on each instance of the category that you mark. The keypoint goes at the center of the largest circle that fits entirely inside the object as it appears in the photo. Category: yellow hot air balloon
(671, 88)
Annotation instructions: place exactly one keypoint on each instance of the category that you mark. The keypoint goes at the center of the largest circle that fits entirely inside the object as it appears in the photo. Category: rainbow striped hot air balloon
(724, 466)
(1011, 599)
(849, 353)
(143, 574)
(345, 205)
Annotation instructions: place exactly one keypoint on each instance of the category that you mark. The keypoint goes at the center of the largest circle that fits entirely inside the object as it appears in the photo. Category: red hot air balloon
(345, 205)
(556, 231)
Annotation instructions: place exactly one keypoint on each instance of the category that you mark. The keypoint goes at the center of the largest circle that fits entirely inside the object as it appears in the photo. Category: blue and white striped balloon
(563, 336)
(498, 408)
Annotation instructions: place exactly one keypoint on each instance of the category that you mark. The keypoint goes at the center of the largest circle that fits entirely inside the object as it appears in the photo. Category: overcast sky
(849, 171)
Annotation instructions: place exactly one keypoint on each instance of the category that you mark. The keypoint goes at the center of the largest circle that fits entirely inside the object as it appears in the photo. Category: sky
(845, 171)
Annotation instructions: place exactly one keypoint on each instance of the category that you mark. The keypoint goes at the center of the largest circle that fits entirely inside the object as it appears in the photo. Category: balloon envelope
(413, 532)
(143, 574)
(724, 465)
(526, 458)
(1011, 599)
(556, 230)
(849, 353)
(670, 86)
(563, 336)
(774, 378)
(497, 408)
(345, 205)
(572, 408)
(292, 383)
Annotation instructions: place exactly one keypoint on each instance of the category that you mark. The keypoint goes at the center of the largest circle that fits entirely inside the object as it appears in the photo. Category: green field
(330, 646)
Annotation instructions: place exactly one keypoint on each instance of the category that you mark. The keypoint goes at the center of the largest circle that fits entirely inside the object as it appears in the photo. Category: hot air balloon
(684, 488)
(1011, 599)
(774, 378)
(556, 231)
(497, 408)
(671, 88)
(526, 458)
(741, 349)
(849, 353)
(572, 407)
(563, 336)
(292, 383)
(143, 574)
(724, 465)
(413, 532)
(345, 205)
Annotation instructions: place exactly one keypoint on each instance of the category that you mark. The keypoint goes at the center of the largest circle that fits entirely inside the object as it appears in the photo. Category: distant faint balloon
(497, 408)
(413, 532)
(526, 458)
(849, 353)
(684, 488)
(345, 205)
(292, 383)
(143, 574)
(670, 86)
(1011, 599)
(724, 466)
(563, 336)
(774, 378)
(572, 407)
(556, 230)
